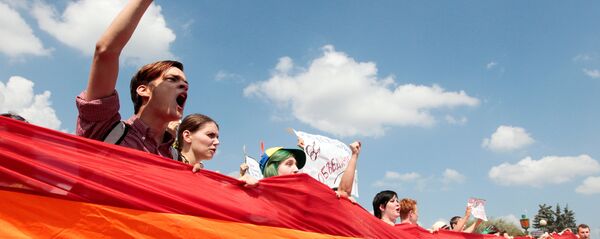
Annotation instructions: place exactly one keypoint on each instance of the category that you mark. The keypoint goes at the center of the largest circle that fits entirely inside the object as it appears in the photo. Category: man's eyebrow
(178, 77)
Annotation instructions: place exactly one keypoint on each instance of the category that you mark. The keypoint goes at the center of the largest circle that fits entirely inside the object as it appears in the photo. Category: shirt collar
(140, 126)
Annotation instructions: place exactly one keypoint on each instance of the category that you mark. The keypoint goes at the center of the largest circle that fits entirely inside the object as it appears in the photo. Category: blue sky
(451, 99)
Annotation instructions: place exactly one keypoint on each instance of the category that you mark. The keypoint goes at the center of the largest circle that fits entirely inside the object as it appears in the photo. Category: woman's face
(287, 167)
(204, 141)
(392, 209)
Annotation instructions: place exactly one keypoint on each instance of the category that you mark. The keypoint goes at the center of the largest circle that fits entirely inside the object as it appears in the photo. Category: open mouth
(181, 98)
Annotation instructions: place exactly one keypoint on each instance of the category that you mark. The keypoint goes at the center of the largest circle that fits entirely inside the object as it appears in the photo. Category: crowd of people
(159, 92)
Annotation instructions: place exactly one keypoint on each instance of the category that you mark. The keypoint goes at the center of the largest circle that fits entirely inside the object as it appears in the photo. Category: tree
(545, 212)
(559, 224)
(568, 217)
(556, 220)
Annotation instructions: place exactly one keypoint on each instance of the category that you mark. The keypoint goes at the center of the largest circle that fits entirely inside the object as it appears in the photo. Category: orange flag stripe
(31, 216)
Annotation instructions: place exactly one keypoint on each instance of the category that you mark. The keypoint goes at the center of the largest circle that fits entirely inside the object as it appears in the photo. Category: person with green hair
(280, 161)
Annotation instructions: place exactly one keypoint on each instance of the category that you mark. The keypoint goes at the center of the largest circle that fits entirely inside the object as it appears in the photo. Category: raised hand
(243, 169)
(355, 147)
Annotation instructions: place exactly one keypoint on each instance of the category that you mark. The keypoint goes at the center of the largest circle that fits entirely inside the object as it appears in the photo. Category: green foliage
(502, 225)
(568, 218)
(557, 219)
(545, 212)
(558, 224)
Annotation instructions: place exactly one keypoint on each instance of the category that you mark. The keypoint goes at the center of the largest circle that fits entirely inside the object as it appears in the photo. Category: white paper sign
(253, 168)
(326, 159)
(477, 208)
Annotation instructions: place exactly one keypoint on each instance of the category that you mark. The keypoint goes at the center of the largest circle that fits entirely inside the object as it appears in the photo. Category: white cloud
(452, 176)
(395, 179)
(548, 170)
(511, 218)
(590, 185)
(401, 177)
(15, 4)
(75, 28)
(17, 36)
(491, 65)
(583, 57)
(17, 96)
(227, 76)
(457, 121)
(419, 182)
(344, 97)
(507, 138)
(592, 73)
(187, 27)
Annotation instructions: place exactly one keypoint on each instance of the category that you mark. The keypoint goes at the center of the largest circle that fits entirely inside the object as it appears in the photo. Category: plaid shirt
(97, 117)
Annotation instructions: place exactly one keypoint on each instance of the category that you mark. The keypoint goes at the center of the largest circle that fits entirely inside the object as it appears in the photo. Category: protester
(439, 225)
(273, 159)
(345, 187)
(158, 91)
(197, 139)
(409, 213)
(458, 223)
(278, 161)
(386, 206)
(14, 116)
(583, 231)
(454, 223)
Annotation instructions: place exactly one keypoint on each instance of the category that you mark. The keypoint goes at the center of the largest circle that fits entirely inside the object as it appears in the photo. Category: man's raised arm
(105, 65)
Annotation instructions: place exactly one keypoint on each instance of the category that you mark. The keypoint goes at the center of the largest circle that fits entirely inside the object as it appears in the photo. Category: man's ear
(143, 90)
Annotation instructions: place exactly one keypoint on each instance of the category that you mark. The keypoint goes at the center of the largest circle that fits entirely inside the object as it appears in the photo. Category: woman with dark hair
(386, 206)
(197, 139)
(458, 223)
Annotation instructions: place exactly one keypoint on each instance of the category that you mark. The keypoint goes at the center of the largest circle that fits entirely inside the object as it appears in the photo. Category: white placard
(477, 208)
(253, 168)
(326, 159)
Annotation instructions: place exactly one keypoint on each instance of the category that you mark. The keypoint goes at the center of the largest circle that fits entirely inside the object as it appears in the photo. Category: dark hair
(382, 198)
(454, 221)
(585, 226)
(407, 205)
(14, 116)
(145, 75)
(191, 123)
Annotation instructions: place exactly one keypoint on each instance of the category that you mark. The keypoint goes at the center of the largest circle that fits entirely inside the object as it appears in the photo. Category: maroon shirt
(97, 118)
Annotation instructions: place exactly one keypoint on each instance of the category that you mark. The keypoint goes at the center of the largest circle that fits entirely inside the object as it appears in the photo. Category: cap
(298, 155)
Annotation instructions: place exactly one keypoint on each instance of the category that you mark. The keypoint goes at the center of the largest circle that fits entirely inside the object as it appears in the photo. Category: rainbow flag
(57, 185)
